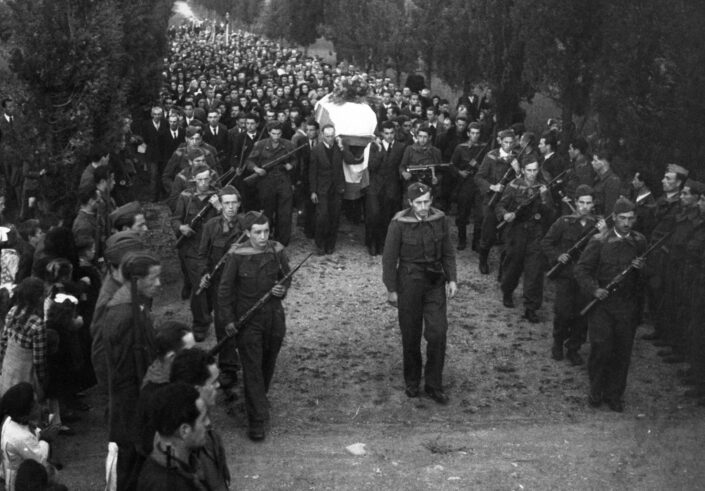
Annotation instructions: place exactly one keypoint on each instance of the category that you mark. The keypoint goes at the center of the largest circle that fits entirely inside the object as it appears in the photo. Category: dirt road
(516, 419)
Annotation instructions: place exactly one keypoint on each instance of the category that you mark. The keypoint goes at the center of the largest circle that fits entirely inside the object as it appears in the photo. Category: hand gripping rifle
(244, 318)
(509, 174)
(554, 182)
(224, 257)
(253, 177)
(576, 248)
(196, 220)
(617, 280)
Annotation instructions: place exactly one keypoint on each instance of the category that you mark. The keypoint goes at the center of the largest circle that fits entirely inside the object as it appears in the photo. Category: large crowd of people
(234, 150)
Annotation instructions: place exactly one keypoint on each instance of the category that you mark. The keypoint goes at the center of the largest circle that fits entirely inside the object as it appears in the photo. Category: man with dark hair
(608, 186)
(420, 153)
(551, 163)
(251, 270)
(11, 172)
(274, 186)
(569, 327)
(526, 207)
(181, 420)
(308, 134)
(419, 272)
(154, 132)
(241, 147)
(496, 164)
(216, 134)
(384, 192)
(180, 158)
(86, 222)
(129, 216)
(465, 159)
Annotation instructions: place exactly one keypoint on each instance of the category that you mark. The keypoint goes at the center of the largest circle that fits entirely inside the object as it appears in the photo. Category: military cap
(623, 205)
(120, 243)
(199, 168)
(584, 190)
(677, 169)
(129, 209)
(417, 189)
(194, 153)
(254, 218)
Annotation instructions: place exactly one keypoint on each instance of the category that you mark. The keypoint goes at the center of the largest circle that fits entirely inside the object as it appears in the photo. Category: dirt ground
(516, 419)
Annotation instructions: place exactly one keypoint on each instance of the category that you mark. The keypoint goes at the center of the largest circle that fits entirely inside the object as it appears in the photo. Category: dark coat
(325, 173)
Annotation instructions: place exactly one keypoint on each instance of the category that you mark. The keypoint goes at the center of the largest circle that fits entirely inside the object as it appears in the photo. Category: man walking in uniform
(418, 270)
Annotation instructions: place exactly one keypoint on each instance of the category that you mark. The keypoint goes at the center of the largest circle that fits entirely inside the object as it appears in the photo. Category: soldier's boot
(574, 358)
(484, 267)
(557, 351)
(462, 237)
(476, 232)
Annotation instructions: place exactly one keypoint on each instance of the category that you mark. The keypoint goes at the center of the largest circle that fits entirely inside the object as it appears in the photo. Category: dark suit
(327, 180)
(302, 198)
(220, 142)
(170, 144)
(241, 146)
(383, 197)
(10, 163)
(155, 156)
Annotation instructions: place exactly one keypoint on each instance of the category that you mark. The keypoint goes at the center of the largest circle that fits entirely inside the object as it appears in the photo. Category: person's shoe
(320, 251)
(484, 267)
(185, 292)
(462, 245)
(557, 351)
(574, 358)
(530, 315)
(652, 336)
(437, 395)
(256, 433)
(372, 250)
(475, 244)
(674, 358)
(594, 400)
(616, 406)
(412, 391)
(329, 251)
(508, 301)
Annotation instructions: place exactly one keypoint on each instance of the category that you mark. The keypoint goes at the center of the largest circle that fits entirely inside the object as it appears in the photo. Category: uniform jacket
(492, 168)
(188, 205)
(563, 235)
(416, 245)
(517, 194)
(264, 153)
(607, 190)
(179, 161)
(215, 241)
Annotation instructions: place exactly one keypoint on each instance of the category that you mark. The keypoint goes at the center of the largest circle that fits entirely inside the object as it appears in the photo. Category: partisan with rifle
(244, 318)
(523, 206)
(196, 220)
(506, 178)
(577, 248)
(617, 280)
(269, 165)
(224, 257)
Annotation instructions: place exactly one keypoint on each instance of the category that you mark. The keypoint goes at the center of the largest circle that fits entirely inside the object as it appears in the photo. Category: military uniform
(523, 252)
(466, 157)
(493, 167)
(418, 260)
(274, 190)
(179, 161)
(217, 237)
(248, 275)
(613, 321)
(419, 155)
(569, 327)
(189, 204)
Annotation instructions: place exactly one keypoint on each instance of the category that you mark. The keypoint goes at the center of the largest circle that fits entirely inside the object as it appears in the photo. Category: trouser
(156, 190)
(611, 328)
(489, 228)
(122, 420)
(422, 311)
(259, 343)
(277, 198)
(200, 305)
(307, 211)
(569, 327)
(228, 361)
(328, 219)
(523, 254)
(469, 204)
(655, 287)
(379, 210)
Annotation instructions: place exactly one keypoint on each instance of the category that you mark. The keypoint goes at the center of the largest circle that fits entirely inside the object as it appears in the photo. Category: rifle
(196, 220)
(253, 177)
(576, 249)
(554, 182)
(505, 178)
(258, 305)
(617, 280)
(224, 257)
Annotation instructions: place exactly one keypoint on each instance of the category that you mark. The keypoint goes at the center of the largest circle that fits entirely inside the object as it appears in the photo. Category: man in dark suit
(10, 163)
(327, 183)
(307, 133)
(241, 146)
(216, 134)
(154, 133)
(174, 137)
(383, 197)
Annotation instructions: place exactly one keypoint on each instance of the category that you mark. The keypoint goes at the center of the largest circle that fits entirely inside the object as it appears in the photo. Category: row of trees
(632, 67)
(80, 66)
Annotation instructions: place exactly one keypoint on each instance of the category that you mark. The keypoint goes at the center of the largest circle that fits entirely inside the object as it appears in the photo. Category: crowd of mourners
(235, 151)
